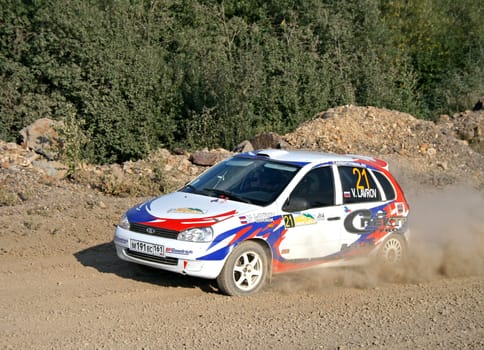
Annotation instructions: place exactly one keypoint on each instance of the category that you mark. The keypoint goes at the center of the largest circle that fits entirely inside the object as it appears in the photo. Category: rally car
(270, 211)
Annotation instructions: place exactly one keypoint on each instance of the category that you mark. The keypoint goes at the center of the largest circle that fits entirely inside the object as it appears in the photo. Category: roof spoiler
(380, 162)
(270, 152)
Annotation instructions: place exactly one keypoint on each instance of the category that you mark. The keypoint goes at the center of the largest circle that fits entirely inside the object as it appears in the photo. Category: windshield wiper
(227, 194)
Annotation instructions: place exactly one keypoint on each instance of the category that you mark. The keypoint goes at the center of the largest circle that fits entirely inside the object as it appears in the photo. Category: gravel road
(62, 287)
(84, 301)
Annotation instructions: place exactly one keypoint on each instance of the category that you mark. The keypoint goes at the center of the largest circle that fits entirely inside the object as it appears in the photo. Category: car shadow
(103, 258)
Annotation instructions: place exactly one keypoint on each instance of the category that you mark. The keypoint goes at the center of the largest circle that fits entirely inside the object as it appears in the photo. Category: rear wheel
(390, 264)
(245, 271)
(393, 251)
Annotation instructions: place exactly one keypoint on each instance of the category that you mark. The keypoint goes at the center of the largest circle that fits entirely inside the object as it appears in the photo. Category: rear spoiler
(377, 161)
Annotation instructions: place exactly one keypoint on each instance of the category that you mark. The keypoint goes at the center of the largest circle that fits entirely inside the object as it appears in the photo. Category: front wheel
(245, 271)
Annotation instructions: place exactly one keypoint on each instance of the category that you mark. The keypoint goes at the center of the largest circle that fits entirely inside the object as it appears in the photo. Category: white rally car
(270, 211)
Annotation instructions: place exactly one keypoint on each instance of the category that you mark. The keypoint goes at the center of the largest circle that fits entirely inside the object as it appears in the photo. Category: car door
(361, 198)
(312, 221)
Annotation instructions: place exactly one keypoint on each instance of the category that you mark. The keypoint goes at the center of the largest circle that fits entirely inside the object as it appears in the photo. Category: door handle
(334, 218)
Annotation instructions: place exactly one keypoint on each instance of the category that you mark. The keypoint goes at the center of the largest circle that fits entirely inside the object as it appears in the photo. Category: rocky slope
(438, 154)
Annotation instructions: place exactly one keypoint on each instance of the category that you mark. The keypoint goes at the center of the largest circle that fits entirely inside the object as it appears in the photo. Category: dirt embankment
(63, 287)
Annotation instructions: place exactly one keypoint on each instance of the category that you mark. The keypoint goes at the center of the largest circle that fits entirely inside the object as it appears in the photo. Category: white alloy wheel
(245, 270)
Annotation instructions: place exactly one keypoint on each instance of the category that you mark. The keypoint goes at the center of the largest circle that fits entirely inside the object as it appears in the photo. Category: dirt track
(63, 287)
(92, 302)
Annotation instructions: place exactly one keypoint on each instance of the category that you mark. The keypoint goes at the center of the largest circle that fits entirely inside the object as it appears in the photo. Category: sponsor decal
(257, 217)
(291, 220)
(305, 219)
(187, 210)
(320, 217)
(178, 251)
(363, 193)
(363, 221)
(347, 194)
(219, 200)
(145, 217)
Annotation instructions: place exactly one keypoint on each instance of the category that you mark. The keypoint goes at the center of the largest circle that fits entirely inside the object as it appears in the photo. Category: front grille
(156, 231)
(155, 259)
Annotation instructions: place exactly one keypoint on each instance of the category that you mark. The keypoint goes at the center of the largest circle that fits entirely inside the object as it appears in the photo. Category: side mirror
(295, 204)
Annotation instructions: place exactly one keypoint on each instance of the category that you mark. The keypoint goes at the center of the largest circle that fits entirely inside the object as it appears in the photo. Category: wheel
(245, 271)
(393, 251)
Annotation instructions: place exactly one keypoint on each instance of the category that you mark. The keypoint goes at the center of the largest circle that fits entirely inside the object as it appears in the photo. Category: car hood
(179, 211)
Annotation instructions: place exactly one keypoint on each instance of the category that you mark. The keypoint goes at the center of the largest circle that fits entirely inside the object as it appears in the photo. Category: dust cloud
(447, 240)
(447, 233)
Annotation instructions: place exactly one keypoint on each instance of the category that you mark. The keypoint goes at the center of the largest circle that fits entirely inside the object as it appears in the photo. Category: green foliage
(72, 142)
(128, 77)
(445, 43)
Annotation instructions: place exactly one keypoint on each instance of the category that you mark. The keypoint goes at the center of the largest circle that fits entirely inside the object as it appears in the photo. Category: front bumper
(180, 257)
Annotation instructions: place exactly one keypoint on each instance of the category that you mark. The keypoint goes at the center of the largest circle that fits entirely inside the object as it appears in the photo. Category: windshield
(250, 180)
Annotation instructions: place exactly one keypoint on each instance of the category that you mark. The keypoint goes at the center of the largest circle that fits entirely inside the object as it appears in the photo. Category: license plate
(147, 248)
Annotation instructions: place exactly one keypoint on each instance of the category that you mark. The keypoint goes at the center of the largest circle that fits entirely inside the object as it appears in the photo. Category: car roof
(302, 156)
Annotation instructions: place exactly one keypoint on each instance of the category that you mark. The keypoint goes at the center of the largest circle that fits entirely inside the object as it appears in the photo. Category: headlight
(199, 234)
(123, 222)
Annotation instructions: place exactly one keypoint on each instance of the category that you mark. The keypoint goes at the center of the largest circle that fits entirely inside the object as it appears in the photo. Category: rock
(180, 151)
(41, 137)
(203, 158)
(267, 140)
(51, 168)
(244, 146)
(469, 126)
(443, 165)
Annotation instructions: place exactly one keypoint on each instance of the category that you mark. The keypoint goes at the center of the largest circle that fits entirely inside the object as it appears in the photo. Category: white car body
(346, 230)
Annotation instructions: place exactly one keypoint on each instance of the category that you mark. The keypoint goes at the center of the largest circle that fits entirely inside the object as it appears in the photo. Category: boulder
(268, 140)
(204, 158)
(244, 146)
(41, 137)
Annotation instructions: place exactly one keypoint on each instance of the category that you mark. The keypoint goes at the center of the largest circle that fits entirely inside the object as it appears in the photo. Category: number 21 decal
(362, 176)
(289, 221)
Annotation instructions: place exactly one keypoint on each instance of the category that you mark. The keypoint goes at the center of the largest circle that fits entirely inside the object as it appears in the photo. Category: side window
(358, 185)
(317, 188)
(386, 185)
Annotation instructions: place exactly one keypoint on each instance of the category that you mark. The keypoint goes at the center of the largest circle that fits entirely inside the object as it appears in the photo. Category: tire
(393, 251)
(245, 271)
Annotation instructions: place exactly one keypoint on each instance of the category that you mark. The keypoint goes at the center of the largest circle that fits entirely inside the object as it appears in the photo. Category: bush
(132, 76)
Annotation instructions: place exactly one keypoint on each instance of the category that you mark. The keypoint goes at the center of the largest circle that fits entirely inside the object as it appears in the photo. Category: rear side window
(386, 185)
(358, 185)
